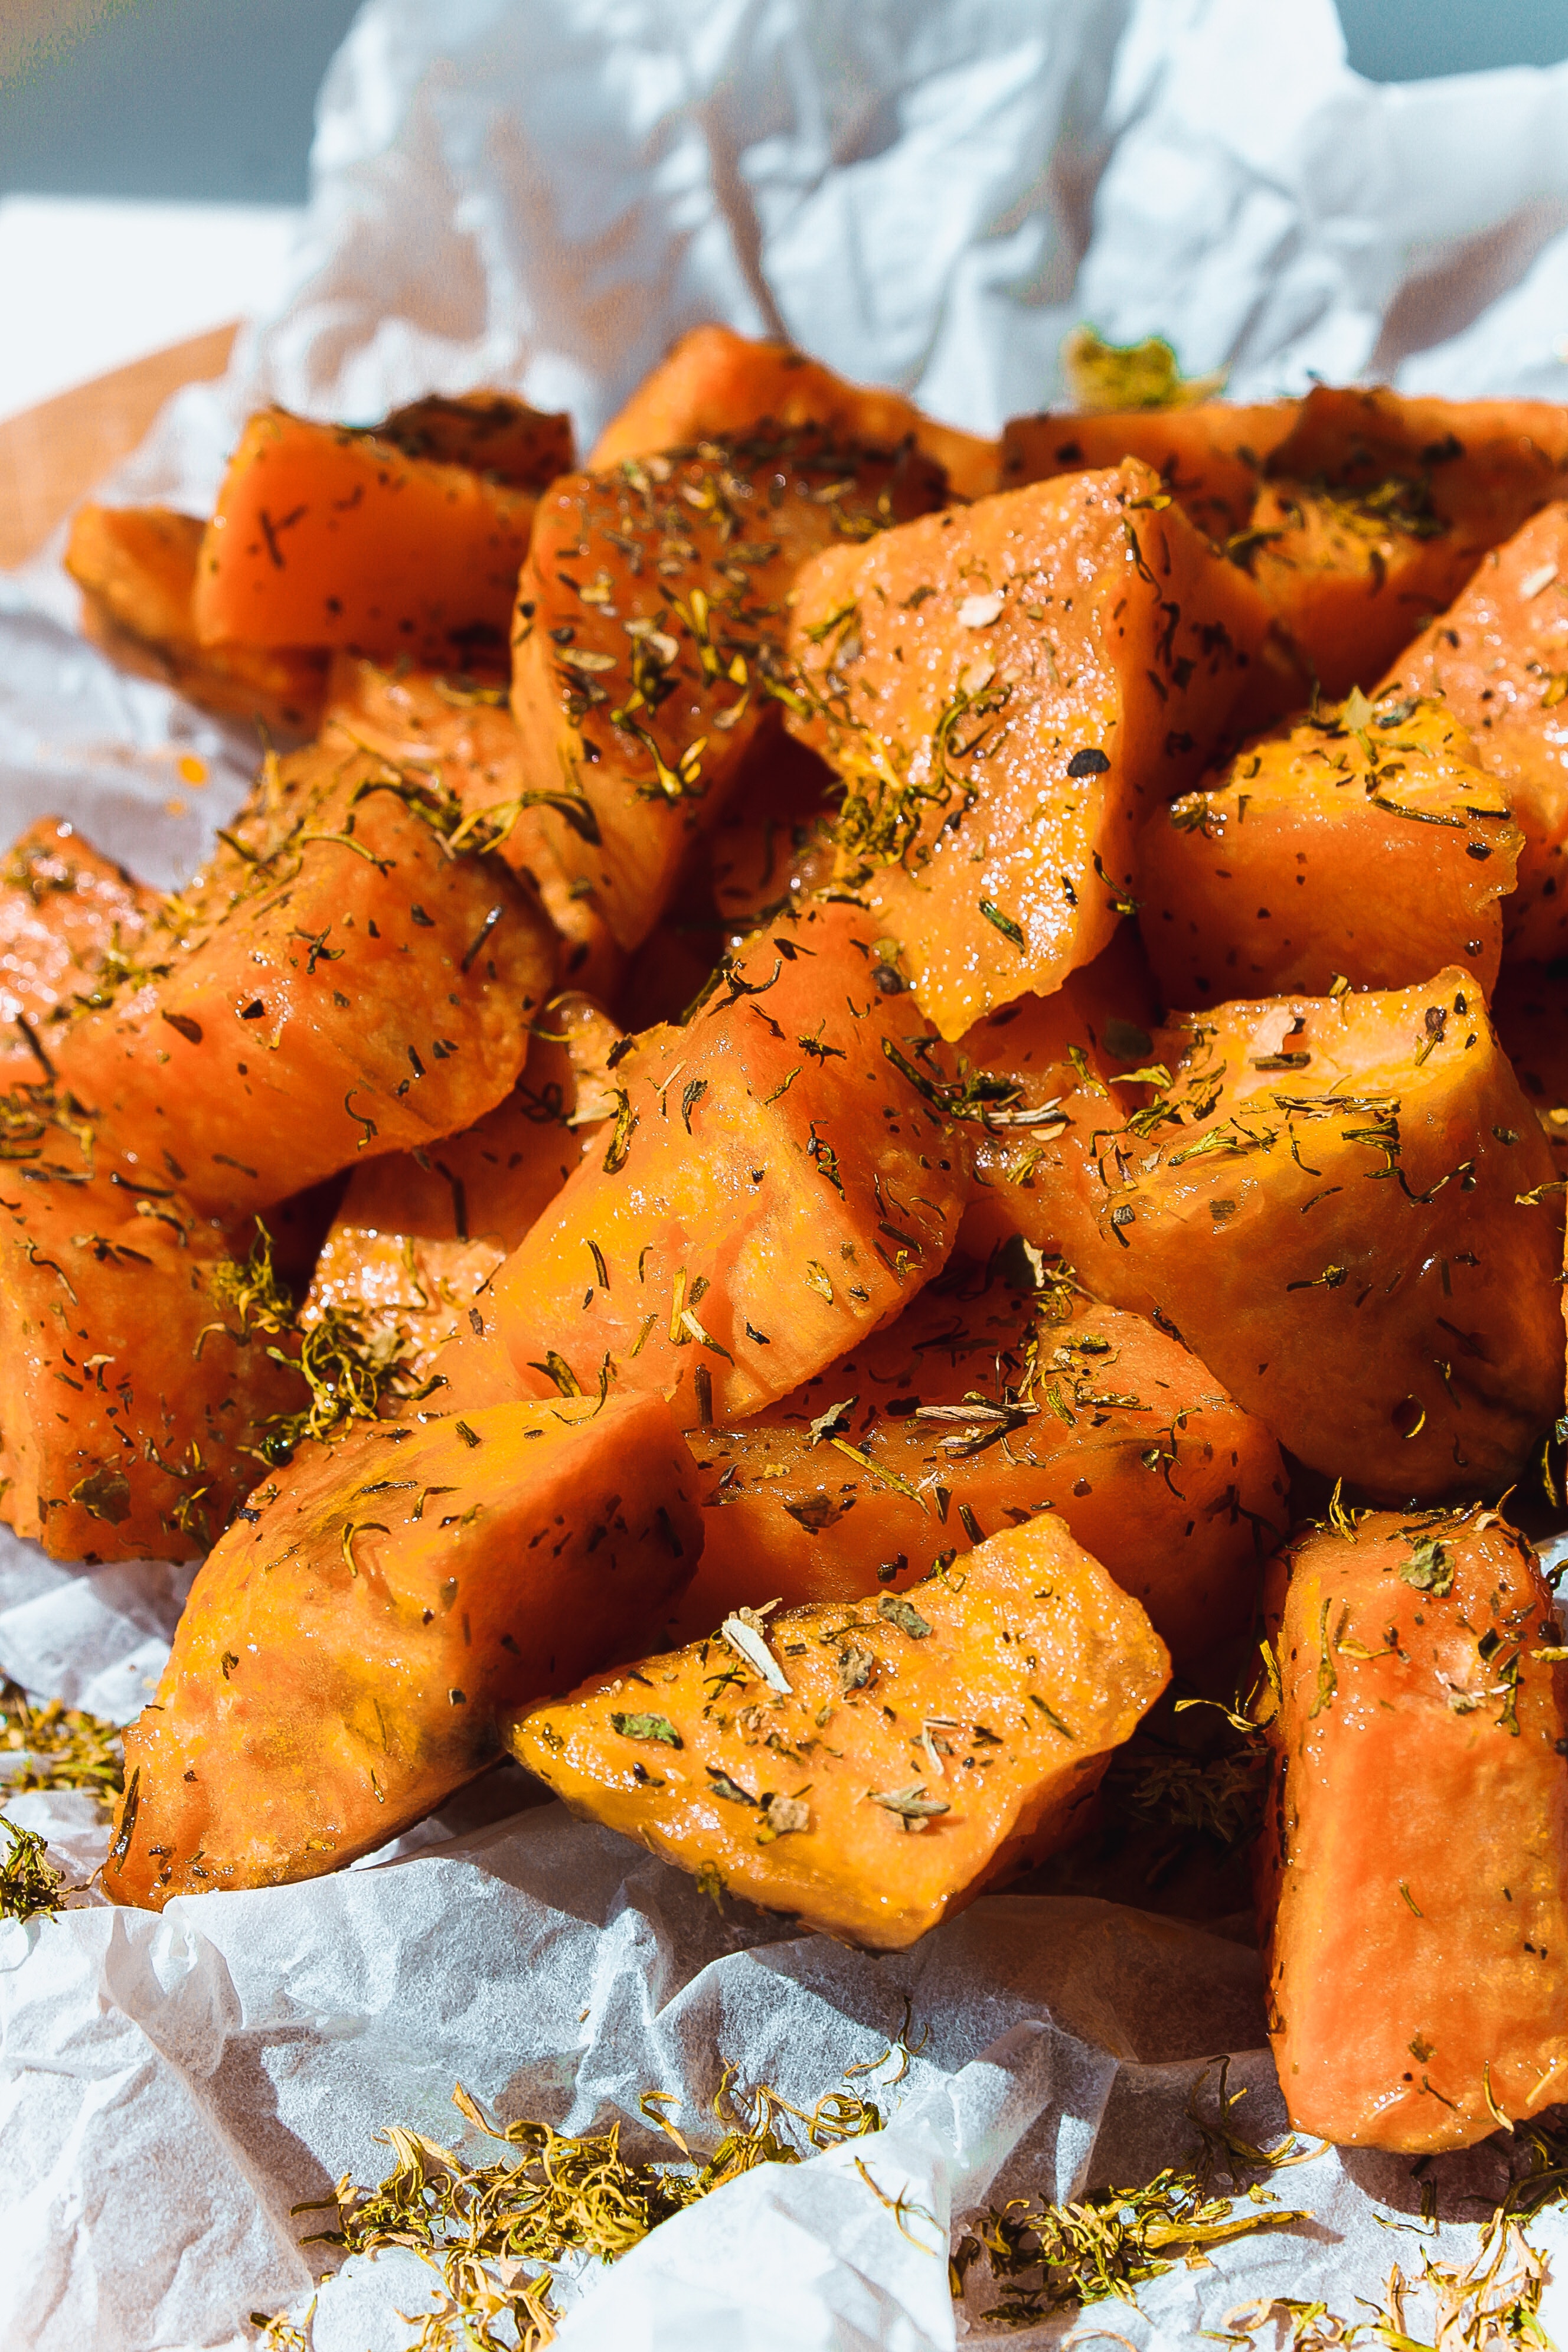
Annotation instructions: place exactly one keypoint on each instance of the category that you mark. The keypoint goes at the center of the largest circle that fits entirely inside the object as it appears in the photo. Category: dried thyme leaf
(656, 1728)
(914, 1807)
(856, 1667)
(1430, 1568)
(902, 1613)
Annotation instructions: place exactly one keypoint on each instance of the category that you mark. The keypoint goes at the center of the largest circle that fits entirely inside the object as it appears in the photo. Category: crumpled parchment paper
(541, 194)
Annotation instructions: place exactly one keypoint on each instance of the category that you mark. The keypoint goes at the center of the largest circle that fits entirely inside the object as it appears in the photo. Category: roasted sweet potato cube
(349, 1647)
(65, 913)
(1210, 456)
(1367, 848)
(1379, 507)
(491, 433)
(791, 1766)
(1411, 1872)
(362, 990)
(716, 385)
(322, 536)
(1499, 659)
(1054, 1062)
(653, 605)
(781, 1175)
(465, 736)
(131, 1397)
(887, 1460)
(1347, 1207)
(136, 567)
(1007, 691)
(419, 1235)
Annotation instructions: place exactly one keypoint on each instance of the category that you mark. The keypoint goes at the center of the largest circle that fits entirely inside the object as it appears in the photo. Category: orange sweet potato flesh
(1338, 1203)
(464, 735)
(1056, 1059)
(63, 910)
(1499, 658)
(327, 537)
(354, 988)
(1210, 456)
(929, 1744)
(1372, 853)
(1411, 1873)
(716, 384)
(418, 1235)
(653, 604)
(491, 433)
(1381, 506)
(1007, 691)
(349, 1647)
(136, 567)
(775, 1185)
(130, 1399)
(1177, 1493)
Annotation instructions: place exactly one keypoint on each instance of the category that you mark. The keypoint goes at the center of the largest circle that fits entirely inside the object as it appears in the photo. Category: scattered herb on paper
(64, 1747)
(479, 2224)
(1058, 2257)
(29, 1888)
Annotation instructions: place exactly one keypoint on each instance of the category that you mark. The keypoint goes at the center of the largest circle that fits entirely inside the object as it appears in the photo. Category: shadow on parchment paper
(1469, 2183)
(1441, 300)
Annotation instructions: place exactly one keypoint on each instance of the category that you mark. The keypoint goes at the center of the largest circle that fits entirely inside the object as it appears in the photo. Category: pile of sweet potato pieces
(848, 1069)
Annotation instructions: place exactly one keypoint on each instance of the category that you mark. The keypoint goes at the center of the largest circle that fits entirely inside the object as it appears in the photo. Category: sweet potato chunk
(652, 605)
(327, 537)
(1007, 692)
(717, 384)
(1210, 456)
(361, 989)
(880, 1462)
(1054, 1061)
(348, 1648)
(780, 1177)
(979, 1713)
(1378, 510)
(136, 567)
(1338, 1203)
(464, 738)
(419, 1235)
(1367, 848)
(491, 433)
(1499, 658)
(1411, 1876)
(129, 1401)
(65, 912)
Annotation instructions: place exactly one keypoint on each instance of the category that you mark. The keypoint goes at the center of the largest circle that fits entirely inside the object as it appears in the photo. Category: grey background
(211, 100)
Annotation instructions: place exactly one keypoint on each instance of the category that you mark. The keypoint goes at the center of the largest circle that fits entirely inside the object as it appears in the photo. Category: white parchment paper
(541, 194)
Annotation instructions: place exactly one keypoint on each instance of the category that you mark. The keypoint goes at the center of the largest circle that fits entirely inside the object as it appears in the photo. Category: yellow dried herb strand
(66, 1748)
(350, 1367)
(478, 2224)
(1059, 2257)
(29, 1887)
